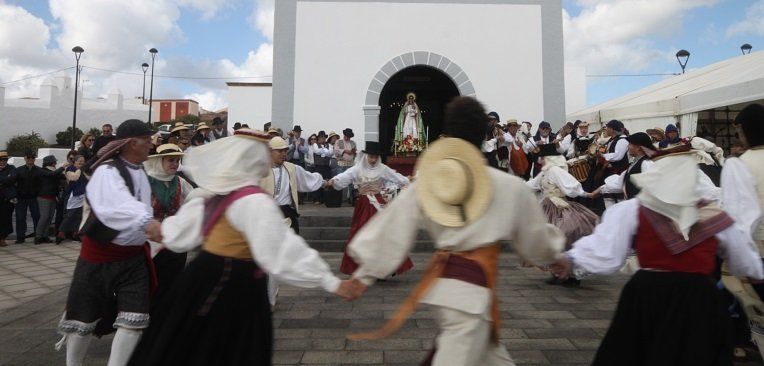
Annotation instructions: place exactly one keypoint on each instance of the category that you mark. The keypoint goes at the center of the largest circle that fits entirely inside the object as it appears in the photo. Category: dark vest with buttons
(629, 188)
(618, 166)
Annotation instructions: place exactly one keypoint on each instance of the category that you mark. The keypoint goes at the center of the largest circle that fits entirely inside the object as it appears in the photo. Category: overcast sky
(232, 40)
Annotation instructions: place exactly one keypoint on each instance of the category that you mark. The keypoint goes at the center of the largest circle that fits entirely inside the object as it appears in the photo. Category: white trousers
(465, 340)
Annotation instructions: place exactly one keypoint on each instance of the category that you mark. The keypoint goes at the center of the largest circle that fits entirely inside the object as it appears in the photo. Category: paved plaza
(542, 324)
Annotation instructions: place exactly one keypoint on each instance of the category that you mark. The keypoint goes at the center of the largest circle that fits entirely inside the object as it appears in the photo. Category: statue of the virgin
(410, 135)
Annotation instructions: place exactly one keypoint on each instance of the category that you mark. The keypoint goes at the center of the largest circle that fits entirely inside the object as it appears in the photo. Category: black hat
(544, 124)
(321, 133)
(348, 132)
(133, 128)
(641, 139)
(217, 121)
(49, 160)
(548, 150)
(373, 148)
(751, 120)
(615, 124)
(236, 126)
(30, 154)
(494, 115)
(297, 128)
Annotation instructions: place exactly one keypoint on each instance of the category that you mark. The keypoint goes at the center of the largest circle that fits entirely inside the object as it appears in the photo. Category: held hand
(328, 183)
(154, 231)
(358, 288)
(561, 268)
(346, 290)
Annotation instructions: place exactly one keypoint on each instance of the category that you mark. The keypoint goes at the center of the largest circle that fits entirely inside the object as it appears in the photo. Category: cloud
(262, 18)
(208, 8)
(210, 100)
(615, 35)
(752, 24)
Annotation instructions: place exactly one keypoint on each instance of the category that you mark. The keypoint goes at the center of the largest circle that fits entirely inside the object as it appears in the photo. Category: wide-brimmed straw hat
(252, 134)
(682, 149)
(277, 143)
(202, 126)
(167, 150)
(3, 155)
(332, 134)
(453, 183)
(179, 126)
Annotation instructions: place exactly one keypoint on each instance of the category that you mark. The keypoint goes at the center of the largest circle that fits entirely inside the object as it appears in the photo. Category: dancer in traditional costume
(168, 191)
(284, 181)
(371, 176)
(641, 149)
(742, 184)
(467, 208)
(110, 285)
(217, 313)
(670, 312)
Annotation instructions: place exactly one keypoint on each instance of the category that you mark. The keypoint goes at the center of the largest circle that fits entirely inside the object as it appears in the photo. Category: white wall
(575, 88)
(341, 46)
(250, 105)
(52, 112)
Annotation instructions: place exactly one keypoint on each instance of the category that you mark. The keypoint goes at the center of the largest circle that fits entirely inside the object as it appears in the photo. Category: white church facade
(351, 63)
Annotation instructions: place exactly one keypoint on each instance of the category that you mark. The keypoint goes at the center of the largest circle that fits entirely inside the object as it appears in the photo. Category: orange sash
(487, 257)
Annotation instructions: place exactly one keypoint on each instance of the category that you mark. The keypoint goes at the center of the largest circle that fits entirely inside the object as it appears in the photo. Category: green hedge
(20, 144)
(65, 137)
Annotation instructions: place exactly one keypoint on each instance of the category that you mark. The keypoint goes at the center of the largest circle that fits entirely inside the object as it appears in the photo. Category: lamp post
(77, 53)
(145, 68)
(153, 53)
(746, 48)
(682, 55)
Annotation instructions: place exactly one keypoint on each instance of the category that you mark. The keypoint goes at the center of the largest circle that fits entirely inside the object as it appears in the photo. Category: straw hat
(252, 134)
(179, 126)
(277, 143)
(454, 185)
(332, 134)
(3, 155)
(167, 150)
(202, 126)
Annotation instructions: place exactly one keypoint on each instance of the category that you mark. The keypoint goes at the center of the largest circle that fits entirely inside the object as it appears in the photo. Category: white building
(249, 103)
(350, 63)
(52, 111)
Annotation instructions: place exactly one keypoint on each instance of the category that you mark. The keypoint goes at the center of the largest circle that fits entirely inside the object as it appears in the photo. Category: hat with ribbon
(277, 143)
(454, 187)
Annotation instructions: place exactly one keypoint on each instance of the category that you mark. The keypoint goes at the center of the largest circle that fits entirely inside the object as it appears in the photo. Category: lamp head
(145, 67)
(746, 48)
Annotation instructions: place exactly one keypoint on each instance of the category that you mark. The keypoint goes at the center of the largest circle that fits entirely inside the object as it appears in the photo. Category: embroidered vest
(160, 212)
(268, 184)
(753, 159)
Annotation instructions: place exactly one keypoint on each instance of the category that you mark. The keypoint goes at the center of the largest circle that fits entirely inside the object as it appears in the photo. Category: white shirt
(306, 182)
(606, 249)
(568, 184)
(352, 176)
(621, 147)
(275, 247)
(614, 183)
(116, 208)
(739, 196)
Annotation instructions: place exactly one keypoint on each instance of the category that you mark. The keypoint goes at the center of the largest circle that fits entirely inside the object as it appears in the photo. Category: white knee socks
(123, 345)
(76, 348)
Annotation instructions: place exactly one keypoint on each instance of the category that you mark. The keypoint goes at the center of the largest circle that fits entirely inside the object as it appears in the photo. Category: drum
(579, 168)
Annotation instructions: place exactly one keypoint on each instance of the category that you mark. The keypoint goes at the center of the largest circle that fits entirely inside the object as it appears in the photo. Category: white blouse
(275, 247)
(111, 201)
(606, 249)
(739, 197)
(564, 181)
(352, 176)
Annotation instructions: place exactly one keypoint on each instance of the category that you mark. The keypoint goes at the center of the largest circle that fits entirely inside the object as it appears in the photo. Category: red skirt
(363, 212)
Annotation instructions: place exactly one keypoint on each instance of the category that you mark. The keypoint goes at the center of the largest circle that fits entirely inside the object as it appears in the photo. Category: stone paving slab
(541, 325)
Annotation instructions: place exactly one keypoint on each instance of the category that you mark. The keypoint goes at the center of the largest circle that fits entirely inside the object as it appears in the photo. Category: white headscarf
(669, 188)
(228, 164)
(368, 172)
(154, 169)
(554, 160)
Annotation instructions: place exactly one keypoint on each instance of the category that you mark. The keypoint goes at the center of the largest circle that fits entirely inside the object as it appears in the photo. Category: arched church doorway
(433, 89)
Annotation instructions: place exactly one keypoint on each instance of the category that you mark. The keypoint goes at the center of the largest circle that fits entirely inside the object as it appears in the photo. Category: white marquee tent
(680, 99)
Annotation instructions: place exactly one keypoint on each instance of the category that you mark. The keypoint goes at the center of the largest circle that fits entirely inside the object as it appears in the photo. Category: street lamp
(145, 68)
(77, 53)
(153, 53)
(682, 55)
(746, 48)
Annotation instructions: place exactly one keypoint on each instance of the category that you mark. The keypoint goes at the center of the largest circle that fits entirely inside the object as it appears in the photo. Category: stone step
(330, 246)
(336, 233)
(421, 246)
(324, 221)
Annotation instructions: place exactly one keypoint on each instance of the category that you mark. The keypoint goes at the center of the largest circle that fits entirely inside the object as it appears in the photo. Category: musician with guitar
(612, 158)
(532, 147)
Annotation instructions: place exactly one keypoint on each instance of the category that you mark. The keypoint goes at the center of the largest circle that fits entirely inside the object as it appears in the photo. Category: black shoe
(20, 241)
(59, 240)
(571, 282)
(37, 241)
(553, 281)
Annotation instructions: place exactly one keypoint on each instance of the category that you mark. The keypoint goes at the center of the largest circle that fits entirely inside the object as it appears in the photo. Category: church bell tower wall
(333, 58)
